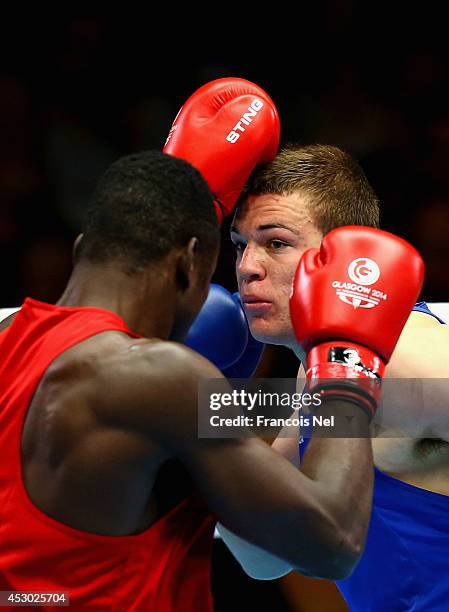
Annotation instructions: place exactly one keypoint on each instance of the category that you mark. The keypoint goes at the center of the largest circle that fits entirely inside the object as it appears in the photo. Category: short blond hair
(339, 191)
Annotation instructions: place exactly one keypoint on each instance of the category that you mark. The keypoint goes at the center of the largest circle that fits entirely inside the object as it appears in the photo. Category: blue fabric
(405, 565)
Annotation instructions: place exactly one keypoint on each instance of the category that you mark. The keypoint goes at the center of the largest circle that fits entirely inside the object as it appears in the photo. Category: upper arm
(422, 350)
(418, 397)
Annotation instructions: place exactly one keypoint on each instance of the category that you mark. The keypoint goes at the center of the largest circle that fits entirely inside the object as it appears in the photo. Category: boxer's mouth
(255, 305)
(254, 299)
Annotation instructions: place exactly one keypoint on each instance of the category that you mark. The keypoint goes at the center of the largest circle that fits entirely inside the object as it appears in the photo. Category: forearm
(342, 471)
(342, 474)
(292, 514)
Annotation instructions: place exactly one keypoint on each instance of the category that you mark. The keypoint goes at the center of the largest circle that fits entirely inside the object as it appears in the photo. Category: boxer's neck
(144, 300)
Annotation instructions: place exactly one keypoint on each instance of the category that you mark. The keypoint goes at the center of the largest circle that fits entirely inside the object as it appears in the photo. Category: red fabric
(166, 568)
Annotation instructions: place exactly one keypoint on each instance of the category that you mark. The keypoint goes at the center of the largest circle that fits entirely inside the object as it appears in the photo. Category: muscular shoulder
(114, 359)
(152, 386)
(168, 362)
(422, 350)
(142, 385)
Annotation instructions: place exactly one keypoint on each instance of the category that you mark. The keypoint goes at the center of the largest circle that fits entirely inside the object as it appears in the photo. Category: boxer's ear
(187, 263)
(76, 248)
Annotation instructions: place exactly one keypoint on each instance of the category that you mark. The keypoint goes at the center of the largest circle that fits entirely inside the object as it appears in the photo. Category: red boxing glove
(351, 300)
(225, 129)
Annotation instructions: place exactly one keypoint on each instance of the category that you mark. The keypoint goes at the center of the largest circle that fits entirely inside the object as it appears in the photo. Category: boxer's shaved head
(145, 205)
(338, 190)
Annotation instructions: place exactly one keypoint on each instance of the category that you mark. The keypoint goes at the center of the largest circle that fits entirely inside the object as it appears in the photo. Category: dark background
(78, 92)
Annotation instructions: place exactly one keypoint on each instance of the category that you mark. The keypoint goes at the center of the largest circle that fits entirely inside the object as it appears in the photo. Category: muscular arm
(414, 434)
(421, 354)
(315, 521)
(422, 350)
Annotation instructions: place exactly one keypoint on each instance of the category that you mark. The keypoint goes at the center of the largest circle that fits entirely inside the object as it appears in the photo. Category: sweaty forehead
(270, 209)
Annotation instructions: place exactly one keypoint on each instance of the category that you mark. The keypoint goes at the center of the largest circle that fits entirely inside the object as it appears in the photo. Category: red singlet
(164, 569)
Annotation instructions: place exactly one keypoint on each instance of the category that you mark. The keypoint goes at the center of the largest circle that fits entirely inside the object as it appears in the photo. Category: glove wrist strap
(343, 360)
(347, 371)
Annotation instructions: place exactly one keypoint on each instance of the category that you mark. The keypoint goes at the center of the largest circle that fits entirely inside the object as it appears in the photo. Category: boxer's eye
(276, 245)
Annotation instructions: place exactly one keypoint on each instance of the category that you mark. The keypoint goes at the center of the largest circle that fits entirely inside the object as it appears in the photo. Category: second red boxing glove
(351, 300)
(225, 129)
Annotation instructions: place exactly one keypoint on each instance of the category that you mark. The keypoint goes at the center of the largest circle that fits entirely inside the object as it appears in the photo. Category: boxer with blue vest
(289, 205)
